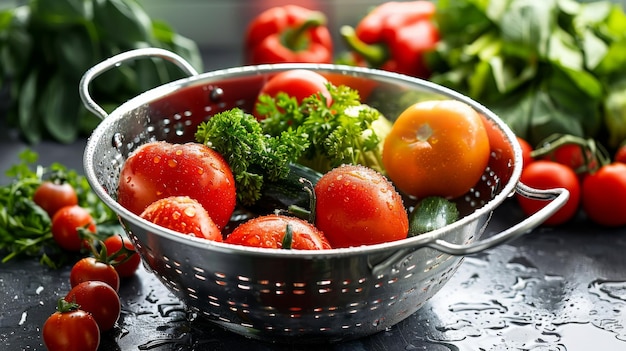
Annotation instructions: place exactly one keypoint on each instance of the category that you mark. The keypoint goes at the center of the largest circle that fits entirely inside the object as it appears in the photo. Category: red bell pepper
(288, 34)
(394, 36)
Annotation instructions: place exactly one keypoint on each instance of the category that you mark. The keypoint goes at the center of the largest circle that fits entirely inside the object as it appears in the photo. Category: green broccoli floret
(251, 154)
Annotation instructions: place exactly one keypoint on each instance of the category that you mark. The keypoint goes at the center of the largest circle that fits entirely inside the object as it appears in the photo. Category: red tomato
(269, 231)
(52, 196)
(543, 174)
(358, 206)
(604, 195)
(74, 330)
(526, 150)
(184, 215)
(65, 227)
(436, 148)
(297, 83)
(157, 170)
(620, 154)
(99, 299)
(89, 268)
(129, 267)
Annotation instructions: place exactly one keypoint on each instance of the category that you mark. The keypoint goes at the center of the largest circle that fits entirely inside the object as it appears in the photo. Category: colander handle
(115, 61)
(559, 197)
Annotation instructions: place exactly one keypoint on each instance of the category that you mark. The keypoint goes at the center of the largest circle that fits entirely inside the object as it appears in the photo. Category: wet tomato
(297, 83)
(436, 148)
(543, 174)
(90, 268)
(71, 330)
(99, 299)
(66, 225)
(52, 196)
(270, 231)
(358, 206)
(184, 215)
(124, 267)
(604, 195)
(157, 170)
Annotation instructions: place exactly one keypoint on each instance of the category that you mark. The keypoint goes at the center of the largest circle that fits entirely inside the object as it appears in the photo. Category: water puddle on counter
(515, 306)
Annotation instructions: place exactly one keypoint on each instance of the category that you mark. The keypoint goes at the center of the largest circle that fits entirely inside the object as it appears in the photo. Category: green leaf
(123, 22)
(59, 105)
(529, 24)
(62, 13)
(28, 119)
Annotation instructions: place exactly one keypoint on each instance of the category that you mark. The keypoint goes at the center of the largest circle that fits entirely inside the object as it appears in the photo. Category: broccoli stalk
(251, 154)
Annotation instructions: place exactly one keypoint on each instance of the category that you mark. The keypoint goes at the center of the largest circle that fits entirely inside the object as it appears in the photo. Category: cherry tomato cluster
(92, 305)
(595, 179)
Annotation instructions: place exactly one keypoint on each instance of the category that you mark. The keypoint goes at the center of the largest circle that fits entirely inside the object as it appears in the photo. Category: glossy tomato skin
(75, 330)
(297, 83)
(436, 148)
(526, 152)
(157, 170)
(268, 232)
(99, 299)
(358, 206)
(52, 196)
(89, 268)
(114, 244)
(604, 195)
(543, 174)
(184, 215)
(65, 224)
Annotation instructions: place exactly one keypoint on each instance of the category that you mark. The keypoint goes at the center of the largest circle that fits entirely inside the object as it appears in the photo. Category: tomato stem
(594, 154)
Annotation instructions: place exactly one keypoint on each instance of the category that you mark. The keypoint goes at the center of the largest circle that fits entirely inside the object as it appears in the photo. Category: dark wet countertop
(553, 289)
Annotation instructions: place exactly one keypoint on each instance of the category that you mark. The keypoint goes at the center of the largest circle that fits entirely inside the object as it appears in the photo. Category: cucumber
(281, 194)
(432, 213)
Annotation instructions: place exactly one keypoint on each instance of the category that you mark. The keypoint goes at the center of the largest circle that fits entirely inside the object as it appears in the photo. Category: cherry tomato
(65, 227)
(184, 215)
(543, 174)
(526, 150)
(129, 267)
(73, 330)
(604, 195)
(620, 154)
(572, 156)
(90, 268)
(52, 196)
(358, 206)
(157, 170)
(269, 232)
(99, 299)
(436, 148)
(297, 83)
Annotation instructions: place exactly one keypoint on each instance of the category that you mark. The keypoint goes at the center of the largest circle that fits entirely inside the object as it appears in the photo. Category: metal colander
(290, 295)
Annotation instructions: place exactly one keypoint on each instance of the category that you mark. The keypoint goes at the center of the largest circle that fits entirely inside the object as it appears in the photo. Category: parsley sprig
(25, 227)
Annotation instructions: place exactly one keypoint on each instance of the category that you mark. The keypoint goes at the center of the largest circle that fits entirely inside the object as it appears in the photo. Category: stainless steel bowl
(290, 295)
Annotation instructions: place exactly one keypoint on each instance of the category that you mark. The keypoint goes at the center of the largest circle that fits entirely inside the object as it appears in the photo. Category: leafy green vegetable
(251, 154)
(544, 67)
(25, 227)
(47, 45)
(347, 132)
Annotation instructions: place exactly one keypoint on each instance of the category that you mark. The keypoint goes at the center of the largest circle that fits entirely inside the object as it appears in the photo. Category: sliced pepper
(394, 36)
(288, 33)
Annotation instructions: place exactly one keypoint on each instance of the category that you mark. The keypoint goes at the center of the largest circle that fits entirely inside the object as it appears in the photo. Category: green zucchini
(432, 213)
(281, 194)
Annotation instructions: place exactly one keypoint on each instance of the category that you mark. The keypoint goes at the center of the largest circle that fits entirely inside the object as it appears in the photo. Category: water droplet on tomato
(190, 211)
(200, 171)
(172, 163)
(156, 159)
(179, 152)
